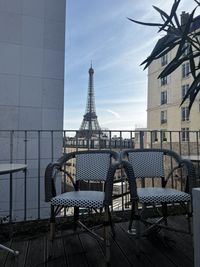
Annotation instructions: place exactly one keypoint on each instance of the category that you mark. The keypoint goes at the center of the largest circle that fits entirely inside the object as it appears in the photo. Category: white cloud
(116, 114)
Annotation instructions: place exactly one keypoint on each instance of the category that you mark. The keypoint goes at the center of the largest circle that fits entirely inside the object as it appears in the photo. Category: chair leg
(111, 223)
(189, 215)
(14, 252)
(52, 223)
(134, 216)
(106, 235)
(131, 218)
(76, 217)
(165, 213)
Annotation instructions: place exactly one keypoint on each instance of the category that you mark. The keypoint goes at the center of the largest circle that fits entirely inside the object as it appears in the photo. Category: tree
(183, 36)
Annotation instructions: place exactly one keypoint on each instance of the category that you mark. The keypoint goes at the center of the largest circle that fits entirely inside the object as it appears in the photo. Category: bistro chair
(159, 179)
(91, 175)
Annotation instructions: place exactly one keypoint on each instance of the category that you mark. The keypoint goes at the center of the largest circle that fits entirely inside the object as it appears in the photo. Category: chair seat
(84, 199)
(158, 195)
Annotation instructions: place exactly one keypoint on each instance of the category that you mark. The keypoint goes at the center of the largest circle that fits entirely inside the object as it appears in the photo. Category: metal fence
(38, 148)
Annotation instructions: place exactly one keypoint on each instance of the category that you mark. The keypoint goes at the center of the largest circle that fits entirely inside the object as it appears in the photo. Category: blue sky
(100, 31)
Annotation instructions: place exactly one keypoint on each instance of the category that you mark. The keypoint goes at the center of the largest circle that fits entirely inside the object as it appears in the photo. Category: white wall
(32, 42)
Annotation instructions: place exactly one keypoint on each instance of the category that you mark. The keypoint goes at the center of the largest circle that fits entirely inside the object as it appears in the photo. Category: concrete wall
(32, 45)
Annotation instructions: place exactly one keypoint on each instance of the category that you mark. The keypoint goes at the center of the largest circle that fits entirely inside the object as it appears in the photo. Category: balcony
(25, 223)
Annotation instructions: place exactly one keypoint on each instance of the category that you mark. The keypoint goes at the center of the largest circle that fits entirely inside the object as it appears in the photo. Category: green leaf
(162, 13)
(198, 2)
(191, 91)
(164, 45)
(193, 96)
(177, 21)
(192, 64)
(169, 19)
(145, 23)
(173, 65)
(176, 62)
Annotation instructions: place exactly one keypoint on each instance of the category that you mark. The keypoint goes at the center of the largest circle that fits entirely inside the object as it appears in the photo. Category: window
(163, 99)
(186, 48)
(185, 114)
(185, 88)
(185, 70)
(163, 116)
(163, 81)
(155, 136)
(163, 135)
(185, 134)
(164, 60)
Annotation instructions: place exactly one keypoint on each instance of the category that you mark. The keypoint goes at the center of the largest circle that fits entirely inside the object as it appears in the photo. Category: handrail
(37, 148)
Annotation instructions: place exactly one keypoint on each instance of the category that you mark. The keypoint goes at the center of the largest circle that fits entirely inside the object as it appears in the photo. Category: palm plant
(183, 37)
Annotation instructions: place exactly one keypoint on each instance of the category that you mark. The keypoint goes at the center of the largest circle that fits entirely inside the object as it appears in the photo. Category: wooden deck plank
(83, 250)
(93, 251)
(171, 243)
(55, 254)
(4, 253)
(172, 252)
(18, 261)
(117, 257)
(129, 247)
(74, 251)
(182, 243)
(185, 239)
(36, 252)
(147, 249)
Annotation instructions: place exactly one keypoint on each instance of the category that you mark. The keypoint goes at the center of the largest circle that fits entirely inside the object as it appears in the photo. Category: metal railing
(37, 148)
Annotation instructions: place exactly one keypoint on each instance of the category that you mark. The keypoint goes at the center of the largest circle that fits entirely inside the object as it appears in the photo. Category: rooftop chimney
(184, 18)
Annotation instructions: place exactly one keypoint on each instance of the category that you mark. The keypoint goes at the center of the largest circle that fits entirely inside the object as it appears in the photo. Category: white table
(194, 158)
(10, 168)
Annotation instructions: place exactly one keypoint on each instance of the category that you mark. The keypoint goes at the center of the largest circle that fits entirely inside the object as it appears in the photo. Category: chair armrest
(131, 179)
(191, 175)
(164, 183)
(109, 183)
(50, 173)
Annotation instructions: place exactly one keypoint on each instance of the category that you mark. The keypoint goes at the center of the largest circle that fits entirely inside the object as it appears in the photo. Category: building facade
(165, 96)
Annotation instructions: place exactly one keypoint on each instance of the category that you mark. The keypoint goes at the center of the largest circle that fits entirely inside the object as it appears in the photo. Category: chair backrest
(147, 163)
(92, 166)
(166, 164)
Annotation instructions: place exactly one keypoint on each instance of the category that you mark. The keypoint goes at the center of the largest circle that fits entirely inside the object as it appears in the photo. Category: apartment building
(165, 95)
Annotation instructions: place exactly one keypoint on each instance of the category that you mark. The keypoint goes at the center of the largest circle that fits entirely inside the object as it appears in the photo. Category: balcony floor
(83, 250)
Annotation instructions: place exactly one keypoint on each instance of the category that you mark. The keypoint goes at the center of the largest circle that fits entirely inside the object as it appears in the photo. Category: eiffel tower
(90, 126)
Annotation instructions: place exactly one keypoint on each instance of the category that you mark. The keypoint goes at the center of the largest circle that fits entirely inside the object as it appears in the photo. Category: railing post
(11, 178)
(52, 145)
(39, 155)
(196, 226)
(11, 146)
(141, 139)
(25, 175)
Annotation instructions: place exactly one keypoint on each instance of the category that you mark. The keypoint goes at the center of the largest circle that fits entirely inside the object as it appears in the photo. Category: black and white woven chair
(158, 178)
(93, 169)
